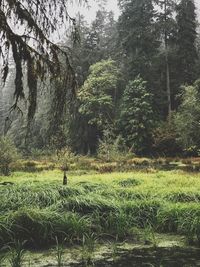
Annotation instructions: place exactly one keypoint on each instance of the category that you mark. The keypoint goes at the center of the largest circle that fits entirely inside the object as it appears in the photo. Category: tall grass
(59, 251)
(89, 242)
(38, 208)
(16, 253)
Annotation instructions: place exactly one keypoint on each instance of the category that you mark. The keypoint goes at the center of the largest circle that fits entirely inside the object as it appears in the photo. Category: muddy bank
(159, 257)
(152, 257)
(166, 251)
(170, 251)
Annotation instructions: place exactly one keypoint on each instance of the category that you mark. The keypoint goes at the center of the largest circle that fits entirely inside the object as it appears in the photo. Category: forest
(100, 134)
(137, 86)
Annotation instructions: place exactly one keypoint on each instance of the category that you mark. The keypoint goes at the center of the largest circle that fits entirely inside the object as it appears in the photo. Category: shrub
(187, 120)
(65, 157)
(83, 163)
(8, 155)
(106, 167)
(30, 166)
(112, 147)
(165, 140)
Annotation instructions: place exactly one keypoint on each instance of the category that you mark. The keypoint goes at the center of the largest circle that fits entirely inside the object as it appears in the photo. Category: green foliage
(186, 40)
(149, 235)
(136, 116)
(8, 155)
(165, 21)
(98, 92)
(130, 182)
(152, 39)
(88, 247)
(39, 227)
(59, 252)
(187, 119)
(64, 157)
(165, 139)
(137, 36)
(16, 254)
(98, 206)
(98, 41)
(38, 59)
(97, 99)
(111, 147)
(56, 133)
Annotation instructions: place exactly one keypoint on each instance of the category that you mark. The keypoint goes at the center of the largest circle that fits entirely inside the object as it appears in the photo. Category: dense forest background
(138, 86)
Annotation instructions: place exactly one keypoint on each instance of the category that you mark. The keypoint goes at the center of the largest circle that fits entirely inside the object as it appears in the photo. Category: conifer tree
(136, 115)
(137, 36)
(166, 26)
(186, 38)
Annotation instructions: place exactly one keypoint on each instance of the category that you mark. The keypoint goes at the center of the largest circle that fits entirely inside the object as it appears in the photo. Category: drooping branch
(40, 55)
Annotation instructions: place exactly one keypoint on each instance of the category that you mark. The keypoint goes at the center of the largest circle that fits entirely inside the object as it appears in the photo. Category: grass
(16, 254)
(39, 210)
(59, 252)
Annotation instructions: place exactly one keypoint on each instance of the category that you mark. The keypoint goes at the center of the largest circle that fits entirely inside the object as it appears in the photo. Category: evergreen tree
(167, 27)
(136, 116)
(186, 39)
(137, 37)
(187, 119)
(98, 42)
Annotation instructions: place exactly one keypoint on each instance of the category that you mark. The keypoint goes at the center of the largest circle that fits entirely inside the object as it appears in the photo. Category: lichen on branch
(34, 49)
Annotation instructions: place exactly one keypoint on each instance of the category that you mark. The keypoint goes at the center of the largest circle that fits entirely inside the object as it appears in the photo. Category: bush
(8, 155)
(65, 157)
(165, 140)
(187, 120)
(112, 147)
(106, 167)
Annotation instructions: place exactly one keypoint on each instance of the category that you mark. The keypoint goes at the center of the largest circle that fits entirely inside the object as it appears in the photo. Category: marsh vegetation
(97, 209)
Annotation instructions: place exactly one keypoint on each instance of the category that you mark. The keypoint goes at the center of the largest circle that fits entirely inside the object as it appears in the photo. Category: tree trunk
(169, 104)
(168, 86)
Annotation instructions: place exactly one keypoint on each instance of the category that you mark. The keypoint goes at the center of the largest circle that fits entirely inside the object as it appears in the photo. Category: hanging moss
(42, 58)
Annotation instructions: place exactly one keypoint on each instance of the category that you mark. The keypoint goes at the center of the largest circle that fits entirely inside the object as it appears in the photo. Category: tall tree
(97, 42)
(1, 111)
(187, 119)
(136, 116)
(138, 37)
(186, 41)
(166, 25)
(97, 100)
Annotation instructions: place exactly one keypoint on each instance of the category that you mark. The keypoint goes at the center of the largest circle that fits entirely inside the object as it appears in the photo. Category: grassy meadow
(38, 212)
